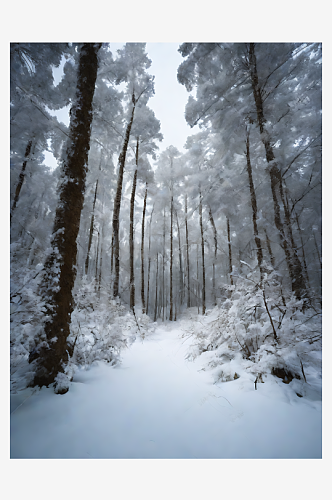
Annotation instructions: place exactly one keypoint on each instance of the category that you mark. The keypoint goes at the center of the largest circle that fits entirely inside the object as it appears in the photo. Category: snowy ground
(156, 404)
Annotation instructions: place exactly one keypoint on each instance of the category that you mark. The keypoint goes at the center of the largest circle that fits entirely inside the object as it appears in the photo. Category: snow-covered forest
(211, 253)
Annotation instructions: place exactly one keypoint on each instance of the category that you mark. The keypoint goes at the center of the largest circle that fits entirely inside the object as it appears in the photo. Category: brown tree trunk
(117, 203)
(163, 294)
(240, 261)
(318, 254)
(21, 178)
(112, 253)
(149, 265)
(197, 285)
(100, 260)
(187, 248)
(180, 263)
(254, 208)
(202, 245)
(215, 257)
(97, 255)
(171, 267)
(60, 268)
(229, 251)
(296, 263)
(156, 297)
(293, 263)
(302, 245)
(91, 231)
(268, 244)
(131, 237)
(142, 251)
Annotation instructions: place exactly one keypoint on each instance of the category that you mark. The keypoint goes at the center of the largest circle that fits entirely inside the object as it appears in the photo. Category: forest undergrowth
(257, 328)
(100, 328)
(260, 330)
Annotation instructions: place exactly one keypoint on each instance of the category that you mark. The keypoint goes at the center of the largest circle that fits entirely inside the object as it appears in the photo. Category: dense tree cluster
(116, 223)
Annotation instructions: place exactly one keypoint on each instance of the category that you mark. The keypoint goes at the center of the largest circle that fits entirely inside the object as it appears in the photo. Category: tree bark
(197, 285)
(180, 262)
(60, 267)
(268, 244)
(164, 235)
(156, 297)
(229, 251)
(142, 251)
(117, 203)
(91, 231)
(171, 267)
(97, 255)
(302, 245)
(202, 246)
(100, 260)
(149, 265)
(112, 253)
(318, 254)
(240, 261)
(131, 235)
(187, 248)
(296, 263)
(215, 256)
(21, 178)
(254, 208)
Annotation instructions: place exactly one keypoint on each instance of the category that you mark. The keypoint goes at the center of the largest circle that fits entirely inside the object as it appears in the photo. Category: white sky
(169, 100)
(170, 97)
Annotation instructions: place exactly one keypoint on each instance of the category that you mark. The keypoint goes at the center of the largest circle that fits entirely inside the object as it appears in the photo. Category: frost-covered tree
(32, 97)
(130, 67)
(51, 352)
(146, 129)
(273, 86)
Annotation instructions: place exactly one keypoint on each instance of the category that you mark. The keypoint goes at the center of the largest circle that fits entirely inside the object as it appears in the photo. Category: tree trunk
(97, 255)
(187, 248)
(254, 208)
(91, 231)
(202, 244)
(149, 265)
(268, 244)
(131, 235)
(197, 286)
(294, 265)
(156, 298)
(100, 260)
(171, 267)
(229, 251)
(164, 235)
(131, 240)
(142, 250)
(302, 245)
(240, 261)
(318, 254)
(180, 263)
(117, 203)
(215, 257)
(21, 178)
(60, 268)
(112, 254)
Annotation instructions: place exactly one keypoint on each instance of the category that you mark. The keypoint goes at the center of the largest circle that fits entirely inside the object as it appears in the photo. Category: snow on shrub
(270, 332)
(101, 326)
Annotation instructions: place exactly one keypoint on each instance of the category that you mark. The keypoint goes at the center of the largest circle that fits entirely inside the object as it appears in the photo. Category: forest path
(158, 405)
